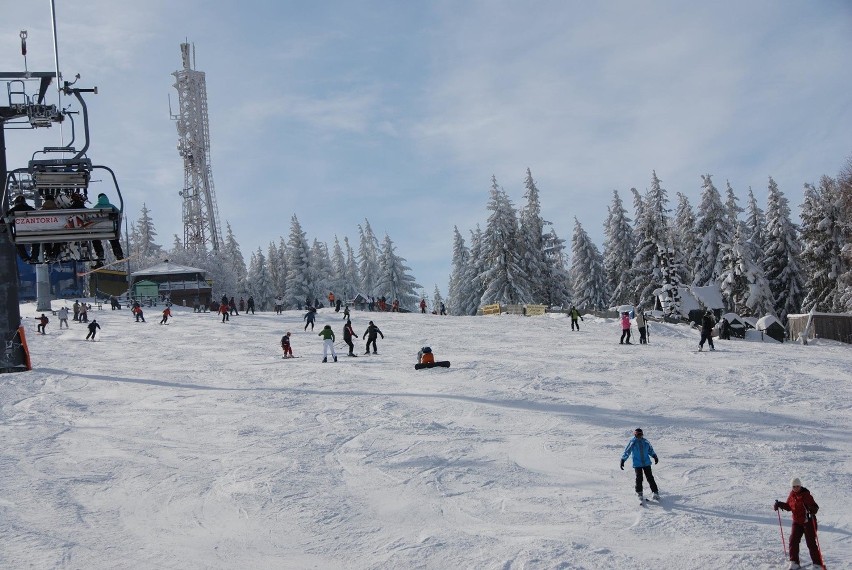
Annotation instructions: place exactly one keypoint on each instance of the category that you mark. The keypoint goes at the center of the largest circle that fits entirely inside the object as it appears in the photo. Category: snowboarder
(250, 304)
(63, 317)
(625, 328)
(370, 335)
(425, 356)
(42, 323)
(328, 343)
(93, 329)
(348, 333)
(285, 346)
(804, 508)
(642, 453)
(640, 323)
(575, 314)
(309, 317)
(707, 324)
(167, 312)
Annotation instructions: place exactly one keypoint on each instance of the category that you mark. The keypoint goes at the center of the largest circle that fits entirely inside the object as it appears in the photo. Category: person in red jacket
(167, 312)
(804, 508)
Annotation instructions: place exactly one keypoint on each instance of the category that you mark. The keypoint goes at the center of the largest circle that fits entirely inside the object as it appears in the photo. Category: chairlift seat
(60, 173)
(68, 225)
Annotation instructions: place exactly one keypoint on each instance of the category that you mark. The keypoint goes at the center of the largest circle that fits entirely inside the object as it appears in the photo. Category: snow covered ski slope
(192, 446)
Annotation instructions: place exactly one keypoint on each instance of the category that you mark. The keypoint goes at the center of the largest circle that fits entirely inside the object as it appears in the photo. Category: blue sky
(400, 112)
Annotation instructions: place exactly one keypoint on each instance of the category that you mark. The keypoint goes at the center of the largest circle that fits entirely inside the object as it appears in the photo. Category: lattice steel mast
(200, 213)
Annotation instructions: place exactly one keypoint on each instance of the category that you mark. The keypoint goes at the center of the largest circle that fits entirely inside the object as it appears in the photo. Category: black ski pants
(372, 340)
(350, 344)
(575, 323)
(625, 333)
(708, 336)
(648, 475)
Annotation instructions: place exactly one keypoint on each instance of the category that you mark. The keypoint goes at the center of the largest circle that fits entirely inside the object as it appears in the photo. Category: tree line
(762, 261)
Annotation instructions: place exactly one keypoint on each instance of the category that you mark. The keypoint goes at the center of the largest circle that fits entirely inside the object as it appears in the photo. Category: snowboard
(442, 363)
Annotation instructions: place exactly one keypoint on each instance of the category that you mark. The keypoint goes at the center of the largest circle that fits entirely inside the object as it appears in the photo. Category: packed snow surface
(195, 446)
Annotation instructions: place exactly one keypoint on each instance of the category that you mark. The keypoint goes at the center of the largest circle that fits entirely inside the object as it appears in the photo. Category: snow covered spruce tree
(742, 282)
(618, 250)
(587, 272)
(393, 281)
(351, 277)
(259, 283)
(459, 285)
(755, 224)
(684, 238)
(844, 183)
(782, 255)
(822, 246)
(233, 257)
(437, 299)
(559, 278)
(475, 290)
(320, 269)
(710, 227)
(368, 254)
(338, 271)
(506, 280)
(300, 267)
(651, 237)
(143, 242)
(532, 236)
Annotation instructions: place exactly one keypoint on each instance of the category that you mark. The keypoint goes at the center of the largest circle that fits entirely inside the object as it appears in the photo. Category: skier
(93, 329)
(346, 312)
(642, 453)
(625, 328)
(137, 310)
(63, 317)
(370, 335)
(42, 320)
(337, 305)
(725, 333)
(76, 307)
(328, 343)
(285, 346)
(103, 202)
(279, 304)
(443, 310)
(575, 314)
(804, 508)
(309, 317)
(422, 306)
(20, 205)
(84, 312)
(223, 309)
(707, 323)
(242, 305)
(348, 333)
(640, 323)
(167, 312)
(250, 304)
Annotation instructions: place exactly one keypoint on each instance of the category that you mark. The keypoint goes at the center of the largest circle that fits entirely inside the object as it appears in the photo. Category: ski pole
(780, 526)
(816, 537)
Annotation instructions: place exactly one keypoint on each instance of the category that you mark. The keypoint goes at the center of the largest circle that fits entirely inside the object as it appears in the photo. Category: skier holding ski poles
(804, 508)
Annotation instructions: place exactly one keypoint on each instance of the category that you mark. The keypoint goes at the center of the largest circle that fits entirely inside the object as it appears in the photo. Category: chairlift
(59, 188)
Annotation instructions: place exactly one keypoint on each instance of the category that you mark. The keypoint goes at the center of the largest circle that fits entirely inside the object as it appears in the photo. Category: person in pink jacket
(625, 328)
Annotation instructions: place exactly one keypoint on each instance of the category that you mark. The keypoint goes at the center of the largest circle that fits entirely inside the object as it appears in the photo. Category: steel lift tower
(200, 213)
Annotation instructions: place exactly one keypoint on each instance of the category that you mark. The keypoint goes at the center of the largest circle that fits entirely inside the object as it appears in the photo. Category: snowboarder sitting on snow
(707, 324)
(425, 356)
(328, 343)
(370, 335)
(804, 508)
(285, 346)
(642, 453)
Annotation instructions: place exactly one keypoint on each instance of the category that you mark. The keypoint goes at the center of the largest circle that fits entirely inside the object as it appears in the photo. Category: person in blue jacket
(642, 451)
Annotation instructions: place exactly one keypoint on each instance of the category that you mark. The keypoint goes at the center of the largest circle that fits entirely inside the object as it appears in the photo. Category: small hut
(834, 326)
(770, 326)
(736, 323)
(177, 283)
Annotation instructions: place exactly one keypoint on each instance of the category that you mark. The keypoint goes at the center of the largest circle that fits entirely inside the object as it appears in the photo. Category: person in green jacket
(575, 314)
(103, 202)
(328, 343)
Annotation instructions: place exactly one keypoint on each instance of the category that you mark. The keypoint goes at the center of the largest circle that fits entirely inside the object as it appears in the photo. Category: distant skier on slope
(370, 335)
(93, 329)
(328, 343)
(642, 451)
(804, 508)
(575, 314)
(285, 346)
(707, 324)
(309, 317)
(625, 328)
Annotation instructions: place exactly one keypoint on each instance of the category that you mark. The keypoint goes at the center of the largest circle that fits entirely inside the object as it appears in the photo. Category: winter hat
(371, 322)
(796, 482)
(637, 431)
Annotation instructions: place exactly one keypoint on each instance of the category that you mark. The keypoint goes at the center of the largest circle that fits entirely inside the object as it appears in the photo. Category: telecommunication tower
(200, 213)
